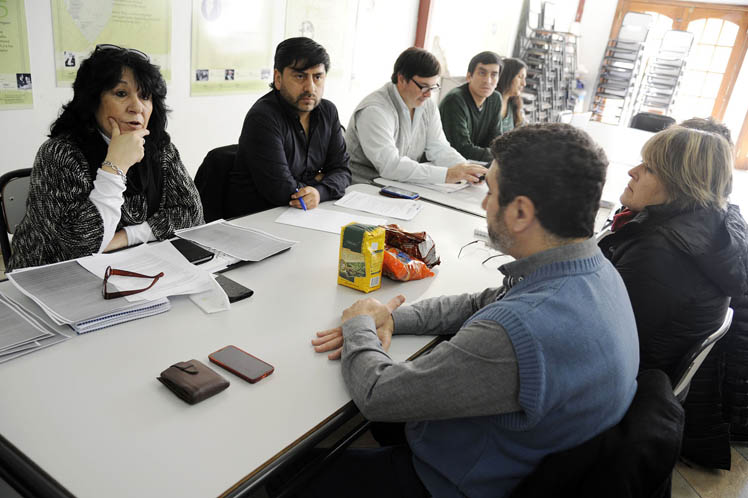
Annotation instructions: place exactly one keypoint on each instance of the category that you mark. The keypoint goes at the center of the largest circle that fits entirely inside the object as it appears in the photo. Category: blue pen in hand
(301, 200)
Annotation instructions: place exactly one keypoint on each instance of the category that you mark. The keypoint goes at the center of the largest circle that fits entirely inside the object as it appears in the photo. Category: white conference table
(90, 412)
(467, 200)
(621, 145)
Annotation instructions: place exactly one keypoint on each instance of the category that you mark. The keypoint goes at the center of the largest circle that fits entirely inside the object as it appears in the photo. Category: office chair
(564, 117)
(649, 121)
(14, 190)
(448, 84)
(632, 459)
(695, 357)
(212, 180)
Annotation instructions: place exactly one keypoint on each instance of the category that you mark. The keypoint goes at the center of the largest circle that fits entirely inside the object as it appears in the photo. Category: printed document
(324, 220)
(402, 209)
(246, 244)
(68, 293)
(23, 332)
(180, 276)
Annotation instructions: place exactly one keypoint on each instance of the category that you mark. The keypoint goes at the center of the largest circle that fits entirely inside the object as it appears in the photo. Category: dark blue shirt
(275, 156)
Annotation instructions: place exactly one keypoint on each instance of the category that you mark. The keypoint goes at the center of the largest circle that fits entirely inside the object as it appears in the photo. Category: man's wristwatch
(114, 168)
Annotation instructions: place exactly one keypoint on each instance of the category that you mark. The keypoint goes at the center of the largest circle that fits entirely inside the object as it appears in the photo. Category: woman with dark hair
(109, 176)
(511, 83)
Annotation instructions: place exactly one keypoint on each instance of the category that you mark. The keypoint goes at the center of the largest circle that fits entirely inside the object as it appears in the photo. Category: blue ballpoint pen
(301, 200)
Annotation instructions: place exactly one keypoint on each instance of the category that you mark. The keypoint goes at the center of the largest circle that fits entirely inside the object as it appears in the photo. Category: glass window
(720, 59)
(711, 31)
(728, 35)
(700, 57)
(692, 82)
(697, 27)
(711, 85)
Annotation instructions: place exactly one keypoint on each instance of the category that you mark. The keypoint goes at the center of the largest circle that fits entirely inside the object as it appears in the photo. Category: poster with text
(327, 22)
(80, 25)
(233, 45)
(15, 69)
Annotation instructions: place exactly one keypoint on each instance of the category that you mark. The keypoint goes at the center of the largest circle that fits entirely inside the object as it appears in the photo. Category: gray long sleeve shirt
(441, 384)
(475, 373)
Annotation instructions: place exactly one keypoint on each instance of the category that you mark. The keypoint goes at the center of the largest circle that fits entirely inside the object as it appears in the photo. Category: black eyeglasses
(498, 255)
(426, 88)
(124, 273)
(108, 46)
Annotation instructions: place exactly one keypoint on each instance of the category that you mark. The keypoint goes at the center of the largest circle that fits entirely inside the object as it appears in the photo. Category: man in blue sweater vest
(541, 364)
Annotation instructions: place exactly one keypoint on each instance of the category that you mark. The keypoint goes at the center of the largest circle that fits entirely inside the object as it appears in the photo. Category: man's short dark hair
(711, 125)
(560, 168)
(416, 62)
(300, 53)
(487, 57)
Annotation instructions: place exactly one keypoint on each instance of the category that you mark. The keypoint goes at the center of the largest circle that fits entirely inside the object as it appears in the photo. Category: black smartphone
(193, 252)
(241, 363)
(400, 193)
(234, 290)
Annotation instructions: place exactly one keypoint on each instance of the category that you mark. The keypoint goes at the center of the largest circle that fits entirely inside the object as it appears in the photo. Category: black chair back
(695, 357)
(212, 180)
(14, 190)
(634, 459)
(649, 121)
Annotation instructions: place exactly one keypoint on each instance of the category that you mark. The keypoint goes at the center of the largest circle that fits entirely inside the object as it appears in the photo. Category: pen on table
(301, 200)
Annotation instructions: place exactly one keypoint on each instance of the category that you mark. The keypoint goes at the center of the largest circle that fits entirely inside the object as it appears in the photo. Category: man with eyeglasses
(396, 132)
(291, 149)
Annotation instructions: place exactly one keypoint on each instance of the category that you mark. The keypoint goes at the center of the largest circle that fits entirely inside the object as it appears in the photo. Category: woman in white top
(109, 175)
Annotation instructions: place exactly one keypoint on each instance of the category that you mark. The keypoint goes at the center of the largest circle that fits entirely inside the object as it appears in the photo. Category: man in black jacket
(291, 149)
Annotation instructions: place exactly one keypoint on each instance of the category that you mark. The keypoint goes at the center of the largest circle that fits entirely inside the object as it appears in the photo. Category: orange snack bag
(399, 266)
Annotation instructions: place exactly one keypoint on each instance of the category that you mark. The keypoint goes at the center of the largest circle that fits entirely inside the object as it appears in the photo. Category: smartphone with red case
(241, 363)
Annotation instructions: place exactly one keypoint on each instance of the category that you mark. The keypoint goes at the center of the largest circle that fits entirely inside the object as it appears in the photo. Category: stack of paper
(180, 276)
(444, 188)
(23, 332)
(324, 220)
(70, 295)
(246, 244)
(402, 209)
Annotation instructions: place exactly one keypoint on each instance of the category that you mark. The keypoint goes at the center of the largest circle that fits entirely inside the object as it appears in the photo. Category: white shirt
(107, 197)
(383, 140)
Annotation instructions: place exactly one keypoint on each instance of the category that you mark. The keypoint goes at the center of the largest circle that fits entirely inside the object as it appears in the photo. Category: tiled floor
(697, 482)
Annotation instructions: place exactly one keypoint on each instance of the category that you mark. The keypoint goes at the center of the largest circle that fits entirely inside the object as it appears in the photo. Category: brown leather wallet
(192, 381)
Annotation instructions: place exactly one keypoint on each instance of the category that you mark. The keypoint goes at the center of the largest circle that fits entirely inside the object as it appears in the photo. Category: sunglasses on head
(107, 46)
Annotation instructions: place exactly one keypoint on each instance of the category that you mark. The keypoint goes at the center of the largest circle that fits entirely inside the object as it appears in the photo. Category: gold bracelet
(114, 168)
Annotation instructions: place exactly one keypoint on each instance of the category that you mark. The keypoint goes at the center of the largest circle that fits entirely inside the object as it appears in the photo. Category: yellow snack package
(361, 254)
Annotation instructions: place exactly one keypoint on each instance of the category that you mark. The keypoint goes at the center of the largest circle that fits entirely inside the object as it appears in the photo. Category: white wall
(594, 29)
(459, 30)
(461, 33)
(198, 124)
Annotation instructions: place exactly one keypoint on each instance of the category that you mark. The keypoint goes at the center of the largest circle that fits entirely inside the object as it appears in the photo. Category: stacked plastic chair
(659, 86)
(621, 66)
(551, 58)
